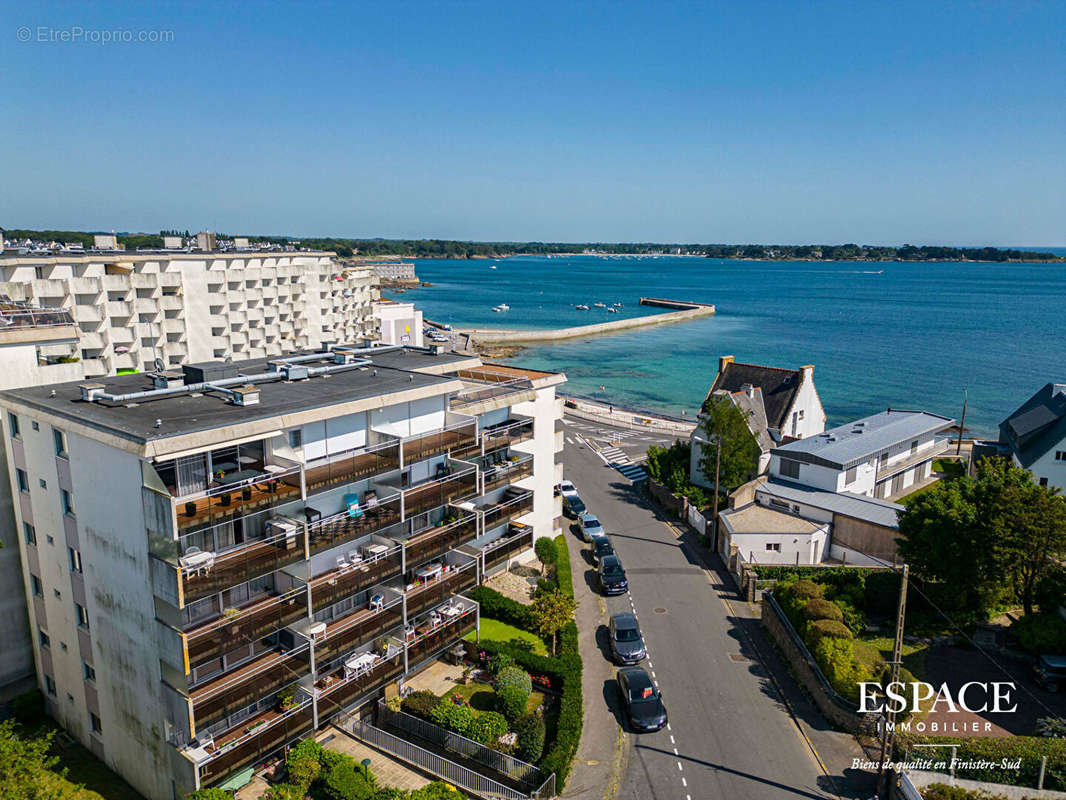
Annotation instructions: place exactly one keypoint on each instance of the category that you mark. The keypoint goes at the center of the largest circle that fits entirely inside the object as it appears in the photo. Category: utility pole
(962, 425)
(889, 720)
(717, 471)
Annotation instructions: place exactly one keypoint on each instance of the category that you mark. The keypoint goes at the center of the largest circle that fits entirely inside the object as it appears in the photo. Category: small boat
(492, 266)
(582, 308)
(612, 310)
(617, 305)
(501, 307)
(873, 272)
(600, 305)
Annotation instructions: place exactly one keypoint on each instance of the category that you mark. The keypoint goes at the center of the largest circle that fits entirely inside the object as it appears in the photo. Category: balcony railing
(440, 492)
(498, 551)
(344, 527)
(245, 685)
(227, 633)
(509, 509)
(352, 466)
(340, 583)
(236, 499)
(262, 735)
(507, 434)
(506, 473)
(202, 574)
(341, 692)
(894, 468)
(347, 633)
(435, 542)
(436, 591)
(455, 437)
(430, 640)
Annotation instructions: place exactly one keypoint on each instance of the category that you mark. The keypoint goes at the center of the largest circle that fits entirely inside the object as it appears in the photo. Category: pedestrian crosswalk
(617, 458)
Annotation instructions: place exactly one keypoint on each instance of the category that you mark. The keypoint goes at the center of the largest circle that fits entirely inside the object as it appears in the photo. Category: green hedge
(1041, 634)
(1029, 749)
(563, 575)
(941, 791)
(496, 606)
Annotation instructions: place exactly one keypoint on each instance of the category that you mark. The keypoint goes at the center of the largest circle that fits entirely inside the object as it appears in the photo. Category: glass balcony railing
(202, 573)
(248, 625)
(252, 742)
(337, 691)
(352, 466)
(519, 538)
(435, 542)
(507, 434)
(343, 582)
(345, 527)
(431, 639)
(456, 437)
(506, 472)
(440, 491)
(347, 633)
(250, 682)
(237, 498)
(509, 509)
(437, 590)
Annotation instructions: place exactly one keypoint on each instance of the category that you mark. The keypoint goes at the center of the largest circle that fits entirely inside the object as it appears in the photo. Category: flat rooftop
(754, 518)
(848, 504)
(856, 442)
(191, 412)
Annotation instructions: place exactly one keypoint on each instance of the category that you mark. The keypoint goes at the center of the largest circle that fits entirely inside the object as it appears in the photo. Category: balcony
(431, 638)
(518, 538)
(352, 466)
(250, 624)
(203, 573)
(343, 582)
(253, 681)
(432, 543)
(484, 390)
(440, 491)
(512, 506)
(885, 471)
(263, 734)
(455, 437)
(437, 590)
(237, 498)
(339, 689)
(506, 472)
(347, 527)
(347, 633)
(506, 434)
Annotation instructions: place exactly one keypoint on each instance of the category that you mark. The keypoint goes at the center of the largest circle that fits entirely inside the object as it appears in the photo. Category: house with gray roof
(1034, 436)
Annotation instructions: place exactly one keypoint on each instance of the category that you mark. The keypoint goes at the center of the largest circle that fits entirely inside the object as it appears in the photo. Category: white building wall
(545, 413)
(1047, 467)
(399, 323)
(810, 404)
(795, 549)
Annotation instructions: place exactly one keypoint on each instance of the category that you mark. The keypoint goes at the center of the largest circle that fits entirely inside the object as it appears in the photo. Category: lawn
(480, 697)
(497, 631)
(913, 655)
(950, 467)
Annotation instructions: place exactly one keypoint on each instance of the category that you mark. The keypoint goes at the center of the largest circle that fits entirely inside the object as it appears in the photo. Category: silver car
(590, 527)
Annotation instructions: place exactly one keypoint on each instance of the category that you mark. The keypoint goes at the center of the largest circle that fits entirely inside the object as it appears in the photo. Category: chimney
(749, 390)
(807, 373)
(723, 362)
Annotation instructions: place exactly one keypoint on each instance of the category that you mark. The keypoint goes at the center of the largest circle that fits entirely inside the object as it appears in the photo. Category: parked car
(567, 489)
(601, 546)
(642, 699)
(1050, 673)
(573, 507)
(590, 527)
(612, 576)
(627, 643)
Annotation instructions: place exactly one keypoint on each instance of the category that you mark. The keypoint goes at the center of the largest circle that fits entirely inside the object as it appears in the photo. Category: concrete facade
(398, 323)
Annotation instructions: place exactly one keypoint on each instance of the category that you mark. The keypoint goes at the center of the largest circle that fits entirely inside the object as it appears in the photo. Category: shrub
(818, 608)
(853, 617)
(546, 551)
(827, 629)
(284, 791)
(837, 661)
(331, 758)
(487, 727)
(497, 606)
(392, 793)
(303, 769)
(881, 594)
(981, 758)
(209, 794)
(514, 676)
(1042, 634)
(452, 716)
(420, 704)
(941, 791)
(346, 782)
(806, 590)
(512, 701)
(1051, 590)
(563, 576)
(499, 662)
(531, 731)
(28, 707)
(437, 790)
(1051, 727)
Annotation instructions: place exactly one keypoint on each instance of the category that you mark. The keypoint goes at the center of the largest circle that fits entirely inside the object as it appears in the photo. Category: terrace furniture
(351, 503)
(312, 514)
(371, 499)
(375, 551)
(358, 665)
(197, 561)
(377, 602)
(453, 609)
(342, 562)
(355, 559)
(429, 572)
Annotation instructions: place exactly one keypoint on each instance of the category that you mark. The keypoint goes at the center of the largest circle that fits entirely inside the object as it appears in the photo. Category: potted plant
(286, 700)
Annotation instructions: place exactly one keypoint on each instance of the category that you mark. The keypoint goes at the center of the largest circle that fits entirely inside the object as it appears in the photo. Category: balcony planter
(286, 701)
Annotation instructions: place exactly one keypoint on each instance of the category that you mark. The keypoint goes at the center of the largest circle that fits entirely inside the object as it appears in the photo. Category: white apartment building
(133, 309)
(224, 558)
(398, 323)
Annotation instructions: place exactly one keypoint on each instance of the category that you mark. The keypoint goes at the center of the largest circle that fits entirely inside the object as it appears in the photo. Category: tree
(1033, 527)
(27, 771)
(721, 420)
(546, 552)
(551, 611)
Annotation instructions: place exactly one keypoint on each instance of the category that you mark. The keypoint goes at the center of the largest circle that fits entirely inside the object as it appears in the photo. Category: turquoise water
(914, 335)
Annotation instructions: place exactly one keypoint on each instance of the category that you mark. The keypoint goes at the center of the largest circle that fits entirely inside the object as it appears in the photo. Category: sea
(909, 335)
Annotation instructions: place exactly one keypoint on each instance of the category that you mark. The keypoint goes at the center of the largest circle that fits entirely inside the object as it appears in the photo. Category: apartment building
(221, 559)
(136, 309)
(398, 323)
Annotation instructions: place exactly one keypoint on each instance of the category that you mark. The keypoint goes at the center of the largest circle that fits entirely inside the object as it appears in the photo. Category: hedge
(941, 791)
(817, 609)
(827, 628)
(1029, 749)
(511, 701)
(346, 782)
(497, 606)
(563, 575)
(531, 731)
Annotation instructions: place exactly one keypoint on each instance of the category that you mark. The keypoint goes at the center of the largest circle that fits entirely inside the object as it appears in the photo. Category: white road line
(650, 665)
(684, 782)
(675, 752)
(668, 727)
(672, 740)
(679, 766)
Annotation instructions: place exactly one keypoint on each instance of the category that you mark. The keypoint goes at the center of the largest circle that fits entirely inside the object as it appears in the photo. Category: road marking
(668, 727)
(653, 673)
(571, 439)
(672, 740)
(650, 665)
(679, 769)
(684, 782)
(675, 752)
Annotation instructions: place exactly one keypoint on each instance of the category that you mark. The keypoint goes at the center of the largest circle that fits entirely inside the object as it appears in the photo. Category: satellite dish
(159, 365)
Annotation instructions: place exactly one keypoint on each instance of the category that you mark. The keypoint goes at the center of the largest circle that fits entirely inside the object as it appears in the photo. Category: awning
(238, 779)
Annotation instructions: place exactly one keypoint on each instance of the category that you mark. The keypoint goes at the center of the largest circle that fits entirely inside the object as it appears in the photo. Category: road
(730, 735)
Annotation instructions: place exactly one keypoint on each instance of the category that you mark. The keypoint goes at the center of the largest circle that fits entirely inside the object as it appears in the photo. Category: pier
(676, 305)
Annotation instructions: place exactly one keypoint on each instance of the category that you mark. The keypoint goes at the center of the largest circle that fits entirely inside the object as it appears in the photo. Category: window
(75, 559)
(94, 723)
(914, 447)
(35, 586)
(50, 685)
(1060, 455)
(774, 547)
(30, 533)
(88, 671)
(296, 438)
(34, 425)
(57, 594)
(60, 440)
(13, 424)
(800, 413)
(68, 501)
(23, 480)
(43, 483)
(1043, 481)
(83, 615)
(789, 468)
(849, 476)
(42, 637)
(49, 538)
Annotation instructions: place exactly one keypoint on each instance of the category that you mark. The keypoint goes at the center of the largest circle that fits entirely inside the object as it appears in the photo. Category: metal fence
(449, 771)
(510, 766)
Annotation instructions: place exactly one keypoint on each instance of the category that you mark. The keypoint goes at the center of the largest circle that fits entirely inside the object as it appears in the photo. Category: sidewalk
(623, 418)
(599, 765)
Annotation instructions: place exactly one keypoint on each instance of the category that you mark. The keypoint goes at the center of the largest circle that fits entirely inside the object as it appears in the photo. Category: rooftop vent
(208, 371)
(295, 372)
(247, 395)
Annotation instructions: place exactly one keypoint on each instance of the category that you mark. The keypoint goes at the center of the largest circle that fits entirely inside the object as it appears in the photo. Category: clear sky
(791, 122)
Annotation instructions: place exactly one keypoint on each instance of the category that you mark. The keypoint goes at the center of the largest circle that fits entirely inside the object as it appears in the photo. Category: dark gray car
(627, 644)
(642, 700)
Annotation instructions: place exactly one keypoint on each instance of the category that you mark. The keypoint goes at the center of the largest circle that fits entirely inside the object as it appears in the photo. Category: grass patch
(913, 655)
(496, 631)
(950, 467)
(480, 697)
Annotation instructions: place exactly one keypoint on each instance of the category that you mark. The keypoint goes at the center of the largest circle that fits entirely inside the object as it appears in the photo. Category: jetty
(683, 311)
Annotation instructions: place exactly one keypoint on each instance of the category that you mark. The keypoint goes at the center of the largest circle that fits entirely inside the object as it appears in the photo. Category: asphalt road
(730, 736)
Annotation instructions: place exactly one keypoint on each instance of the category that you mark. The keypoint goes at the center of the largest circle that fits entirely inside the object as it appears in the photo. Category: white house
(781, 405)
(1034, 436)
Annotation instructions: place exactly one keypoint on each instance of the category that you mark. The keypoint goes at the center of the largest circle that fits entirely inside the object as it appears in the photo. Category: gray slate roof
(1037, 425)
(849, 504)
(779, 387)
(856, 442)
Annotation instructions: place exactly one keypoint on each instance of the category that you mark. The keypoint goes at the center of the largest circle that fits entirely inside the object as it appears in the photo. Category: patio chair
(342, 562)
(354, 558)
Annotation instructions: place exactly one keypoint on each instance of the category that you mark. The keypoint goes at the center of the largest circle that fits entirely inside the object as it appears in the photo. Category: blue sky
(786, 122)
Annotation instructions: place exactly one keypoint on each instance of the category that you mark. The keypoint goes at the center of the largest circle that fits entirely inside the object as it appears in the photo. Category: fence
(510, 766)
(449, 771)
